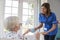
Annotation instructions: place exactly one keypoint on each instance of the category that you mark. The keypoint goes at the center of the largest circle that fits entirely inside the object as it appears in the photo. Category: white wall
(1, 16)
(1, 10)
(55, 7)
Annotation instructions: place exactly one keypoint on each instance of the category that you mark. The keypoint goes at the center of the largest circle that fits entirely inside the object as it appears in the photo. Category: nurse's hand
(44, 33)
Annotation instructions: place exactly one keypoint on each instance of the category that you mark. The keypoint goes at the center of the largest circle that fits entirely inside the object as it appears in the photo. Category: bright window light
(24, 18)
(7, 15)
(15, 4)
(25, 5)
(11, 8)
(7, 9)
(25, 11)
(8, 3)
(15, 11)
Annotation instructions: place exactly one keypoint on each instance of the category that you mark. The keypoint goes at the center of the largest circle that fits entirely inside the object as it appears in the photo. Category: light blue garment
(32, 30)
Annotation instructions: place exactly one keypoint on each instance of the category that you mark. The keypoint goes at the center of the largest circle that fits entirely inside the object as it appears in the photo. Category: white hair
(10, 22)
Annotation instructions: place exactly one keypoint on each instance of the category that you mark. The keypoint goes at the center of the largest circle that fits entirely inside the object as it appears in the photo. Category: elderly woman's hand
(27, 31)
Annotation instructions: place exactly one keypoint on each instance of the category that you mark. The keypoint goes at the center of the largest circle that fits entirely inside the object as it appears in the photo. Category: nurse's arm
(53, 28)
(40, 26)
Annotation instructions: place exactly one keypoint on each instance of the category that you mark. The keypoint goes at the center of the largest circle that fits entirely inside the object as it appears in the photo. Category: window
(11, 8)
(27, 16)
(27, 12)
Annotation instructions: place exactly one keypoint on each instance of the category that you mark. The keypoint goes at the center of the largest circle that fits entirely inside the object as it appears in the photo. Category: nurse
(48, 18)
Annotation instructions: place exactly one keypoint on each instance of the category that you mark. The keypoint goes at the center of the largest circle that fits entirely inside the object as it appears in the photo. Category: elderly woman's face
(43, 10)
(17, 27)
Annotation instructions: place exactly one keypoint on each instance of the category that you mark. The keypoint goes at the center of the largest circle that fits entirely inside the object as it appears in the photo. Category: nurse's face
(43, 10)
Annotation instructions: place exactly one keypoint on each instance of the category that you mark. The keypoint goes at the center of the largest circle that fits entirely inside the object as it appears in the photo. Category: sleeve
(40, 18)
(54, 21)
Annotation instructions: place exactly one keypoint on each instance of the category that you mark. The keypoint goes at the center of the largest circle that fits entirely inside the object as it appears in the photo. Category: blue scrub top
(49, 21)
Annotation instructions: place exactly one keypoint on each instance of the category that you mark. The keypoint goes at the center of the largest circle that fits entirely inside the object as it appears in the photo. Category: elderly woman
(13, 26)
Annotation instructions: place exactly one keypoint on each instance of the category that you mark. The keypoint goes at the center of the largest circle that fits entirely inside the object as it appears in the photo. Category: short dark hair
(47, 6)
